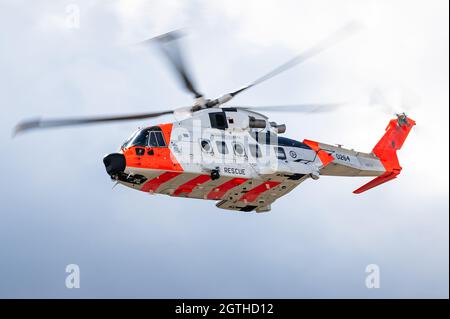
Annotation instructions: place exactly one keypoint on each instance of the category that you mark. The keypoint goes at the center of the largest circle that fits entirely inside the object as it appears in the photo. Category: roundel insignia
(293, 154)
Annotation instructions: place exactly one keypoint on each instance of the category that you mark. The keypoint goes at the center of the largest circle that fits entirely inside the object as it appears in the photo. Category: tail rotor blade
(392, 101)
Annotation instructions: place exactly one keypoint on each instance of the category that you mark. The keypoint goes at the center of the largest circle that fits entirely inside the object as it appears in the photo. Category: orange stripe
(153, 184)
(221, 190)
(254, 193)
(325, 157)
(190, 185)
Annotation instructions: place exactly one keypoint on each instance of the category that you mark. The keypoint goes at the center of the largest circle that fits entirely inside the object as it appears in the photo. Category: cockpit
(148, 137)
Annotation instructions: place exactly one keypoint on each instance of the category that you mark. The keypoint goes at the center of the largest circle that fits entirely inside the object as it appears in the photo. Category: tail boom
(382, 163)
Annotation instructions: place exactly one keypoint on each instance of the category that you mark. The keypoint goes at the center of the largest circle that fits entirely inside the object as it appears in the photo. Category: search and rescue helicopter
(233, 154)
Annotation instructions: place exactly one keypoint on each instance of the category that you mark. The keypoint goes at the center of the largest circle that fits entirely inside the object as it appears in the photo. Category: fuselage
(219, 154)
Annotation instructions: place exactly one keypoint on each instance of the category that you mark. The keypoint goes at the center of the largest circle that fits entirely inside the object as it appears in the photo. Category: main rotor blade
(295, 108)
(326, 43)
(167, 43)
(39, 124)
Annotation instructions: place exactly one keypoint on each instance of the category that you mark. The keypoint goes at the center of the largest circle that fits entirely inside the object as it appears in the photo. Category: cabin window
(218, 120)
(222, 147)
(255, 150)
(280, 153)
(206, 146)
(238, 149)
(264, 137)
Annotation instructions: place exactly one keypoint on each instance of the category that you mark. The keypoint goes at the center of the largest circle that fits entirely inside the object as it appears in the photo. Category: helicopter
(235, 155)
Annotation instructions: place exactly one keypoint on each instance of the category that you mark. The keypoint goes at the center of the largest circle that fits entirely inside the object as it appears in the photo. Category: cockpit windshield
(152, 137)
(127, 141)
(141, 139)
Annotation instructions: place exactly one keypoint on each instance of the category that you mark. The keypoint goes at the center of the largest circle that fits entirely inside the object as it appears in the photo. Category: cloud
(58, 206)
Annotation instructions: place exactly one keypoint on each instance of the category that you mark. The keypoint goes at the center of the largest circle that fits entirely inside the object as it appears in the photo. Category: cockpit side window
(153, 142)
(160, 139)
(156, 139)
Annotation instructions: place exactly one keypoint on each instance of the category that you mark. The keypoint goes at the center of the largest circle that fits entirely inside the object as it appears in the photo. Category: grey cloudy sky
(58, 207)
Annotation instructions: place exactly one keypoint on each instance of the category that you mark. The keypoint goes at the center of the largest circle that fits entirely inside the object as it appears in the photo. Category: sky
(58, 204)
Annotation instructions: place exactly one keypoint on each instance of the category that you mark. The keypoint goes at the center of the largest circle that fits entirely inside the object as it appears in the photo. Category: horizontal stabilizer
(386, 177)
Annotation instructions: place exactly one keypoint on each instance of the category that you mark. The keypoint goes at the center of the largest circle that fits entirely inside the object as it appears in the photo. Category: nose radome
(114, 163)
